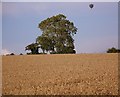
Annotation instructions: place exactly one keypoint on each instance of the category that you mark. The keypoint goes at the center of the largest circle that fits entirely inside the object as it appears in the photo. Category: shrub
(12, 54)
(113, 50)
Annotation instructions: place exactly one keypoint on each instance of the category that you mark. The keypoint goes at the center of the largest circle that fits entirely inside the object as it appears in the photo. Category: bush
(12, 54)
(113, 50)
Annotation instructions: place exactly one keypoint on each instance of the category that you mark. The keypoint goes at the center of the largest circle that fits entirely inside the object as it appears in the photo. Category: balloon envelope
(91, 5)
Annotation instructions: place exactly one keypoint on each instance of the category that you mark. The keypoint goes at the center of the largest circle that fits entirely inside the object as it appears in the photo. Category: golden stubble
(72, 74)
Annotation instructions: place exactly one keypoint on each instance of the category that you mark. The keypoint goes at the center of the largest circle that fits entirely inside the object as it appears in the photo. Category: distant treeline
(113, 50)
(13, 54)
(110, 50)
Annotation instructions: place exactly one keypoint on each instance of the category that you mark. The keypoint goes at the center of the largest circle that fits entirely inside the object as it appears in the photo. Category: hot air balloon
(91, 6)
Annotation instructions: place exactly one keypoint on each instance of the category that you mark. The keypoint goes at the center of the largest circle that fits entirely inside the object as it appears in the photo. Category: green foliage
(45, 43)
(12, 54)
(57, 34)
(113, 50)
(33, 48)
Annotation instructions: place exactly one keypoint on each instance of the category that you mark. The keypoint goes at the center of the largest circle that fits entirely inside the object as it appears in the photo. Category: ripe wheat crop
(72, 74)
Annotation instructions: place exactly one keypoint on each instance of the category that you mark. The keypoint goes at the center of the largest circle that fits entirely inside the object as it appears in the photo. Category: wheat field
(72, 74)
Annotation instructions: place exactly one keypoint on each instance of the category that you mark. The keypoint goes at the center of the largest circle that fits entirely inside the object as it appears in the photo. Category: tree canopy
(57, 34)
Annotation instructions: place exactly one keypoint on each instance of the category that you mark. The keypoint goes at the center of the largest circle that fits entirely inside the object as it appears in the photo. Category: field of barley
(72, 74)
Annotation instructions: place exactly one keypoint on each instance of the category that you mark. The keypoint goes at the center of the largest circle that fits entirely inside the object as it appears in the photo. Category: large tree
(57, 35)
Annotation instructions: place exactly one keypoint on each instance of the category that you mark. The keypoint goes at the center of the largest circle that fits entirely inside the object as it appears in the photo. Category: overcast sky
(97, 27)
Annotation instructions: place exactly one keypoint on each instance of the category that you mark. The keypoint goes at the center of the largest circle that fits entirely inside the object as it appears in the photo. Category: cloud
(5, 52)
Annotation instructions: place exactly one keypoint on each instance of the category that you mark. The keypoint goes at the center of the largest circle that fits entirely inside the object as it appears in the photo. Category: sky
(0, 27)
(60, 0)
(97, 27)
